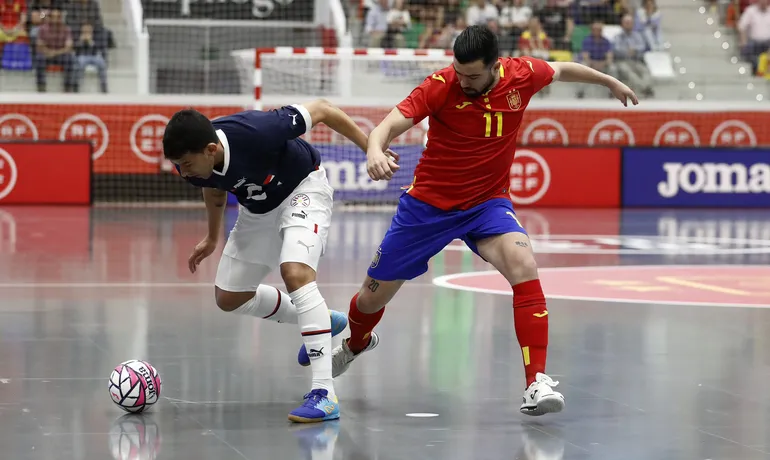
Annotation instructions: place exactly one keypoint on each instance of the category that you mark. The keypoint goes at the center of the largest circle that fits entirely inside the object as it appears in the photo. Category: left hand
(623, 93)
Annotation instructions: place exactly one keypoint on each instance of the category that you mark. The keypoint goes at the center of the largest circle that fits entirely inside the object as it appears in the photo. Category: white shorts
(254, 247)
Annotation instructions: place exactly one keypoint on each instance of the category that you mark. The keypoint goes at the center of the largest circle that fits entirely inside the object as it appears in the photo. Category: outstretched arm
(322, 111)
(579, 73)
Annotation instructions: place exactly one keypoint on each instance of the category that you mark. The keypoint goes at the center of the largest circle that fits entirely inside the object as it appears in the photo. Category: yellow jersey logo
(540, 315)
(463, 105)
(440, 78)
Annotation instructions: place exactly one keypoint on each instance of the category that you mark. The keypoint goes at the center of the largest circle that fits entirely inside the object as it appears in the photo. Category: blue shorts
(419, 231)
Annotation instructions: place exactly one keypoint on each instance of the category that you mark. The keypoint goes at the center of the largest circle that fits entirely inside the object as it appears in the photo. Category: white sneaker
(342, 356)
(540, 398)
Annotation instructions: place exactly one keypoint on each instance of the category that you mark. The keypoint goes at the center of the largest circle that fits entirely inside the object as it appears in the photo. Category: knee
(523, 268)
(295, 275)
(228, 301)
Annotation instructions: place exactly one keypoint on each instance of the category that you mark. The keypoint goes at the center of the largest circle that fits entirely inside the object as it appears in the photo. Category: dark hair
(188, 131)
(476, 43)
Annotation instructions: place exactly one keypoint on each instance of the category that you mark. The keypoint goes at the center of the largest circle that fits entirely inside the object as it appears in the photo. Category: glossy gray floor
(82, 290)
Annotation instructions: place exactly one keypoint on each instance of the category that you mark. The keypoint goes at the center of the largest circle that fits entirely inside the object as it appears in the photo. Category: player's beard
(475, 93)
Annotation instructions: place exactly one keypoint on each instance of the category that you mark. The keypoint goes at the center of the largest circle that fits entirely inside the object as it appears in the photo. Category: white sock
(316, 327)
(271, 304)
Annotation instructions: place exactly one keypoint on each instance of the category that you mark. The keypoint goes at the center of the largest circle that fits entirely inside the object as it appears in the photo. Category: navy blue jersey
(265, 160)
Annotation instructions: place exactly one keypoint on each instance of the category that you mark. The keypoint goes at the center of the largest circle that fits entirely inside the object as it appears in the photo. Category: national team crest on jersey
(514, 99)
(300, 199)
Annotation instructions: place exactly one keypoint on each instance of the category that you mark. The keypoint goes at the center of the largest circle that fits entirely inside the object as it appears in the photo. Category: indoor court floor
(677, 369)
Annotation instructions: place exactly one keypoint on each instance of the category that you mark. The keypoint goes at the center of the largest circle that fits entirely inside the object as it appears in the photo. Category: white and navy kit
(279, 182)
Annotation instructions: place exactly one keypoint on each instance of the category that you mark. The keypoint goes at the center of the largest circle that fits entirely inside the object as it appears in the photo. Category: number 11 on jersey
(499, 123)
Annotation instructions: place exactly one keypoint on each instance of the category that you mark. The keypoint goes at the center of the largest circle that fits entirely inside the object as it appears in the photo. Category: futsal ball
(134, 386)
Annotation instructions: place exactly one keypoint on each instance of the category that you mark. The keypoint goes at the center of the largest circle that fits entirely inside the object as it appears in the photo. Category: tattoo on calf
(373, 285)
(522, 244)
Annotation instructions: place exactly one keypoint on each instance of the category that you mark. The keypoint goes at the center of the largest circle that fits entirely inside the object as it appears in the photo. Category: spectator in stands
(434, 34)
(628, 53)
(90, 50)
(588, 11)
(80, 12)
(754, 29)
(54, 47)
(534, 41)
(13, 18)
(450, 12)
(39, 11)
(377, 23)
(506, 42)
(399, 21)
(480, 12)
(648, 24)
(557, 24)
(596, 53)
(514, 19)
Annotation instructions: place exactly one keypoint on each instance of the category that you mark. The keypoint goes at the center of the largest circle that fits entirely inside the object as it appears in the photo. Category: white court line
(445, 282)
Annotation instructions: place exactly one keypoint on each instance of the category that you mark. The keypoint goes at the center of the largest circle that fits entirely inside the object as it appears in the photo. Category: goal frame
(398, 54)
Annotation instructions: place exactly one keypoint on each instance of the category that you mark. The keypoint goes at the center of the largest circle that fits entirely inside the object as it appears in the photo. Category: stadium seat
(17, 56)
(578, 34)
(660, 64)
(611, 31)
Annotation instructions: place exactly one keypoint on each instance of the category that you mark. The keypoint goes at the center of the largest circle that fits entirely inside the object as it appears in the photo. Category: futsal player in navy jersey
(283, 220)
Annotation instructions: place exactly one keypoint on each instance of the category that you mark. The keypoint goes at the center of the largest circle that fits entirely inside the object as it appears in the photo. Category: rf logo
(86, 126)
(530, 177)
(545, 131)
(146, 137)
(733, 133)
(677, 133)
(16, 126)
(611, 131)
(8, 174)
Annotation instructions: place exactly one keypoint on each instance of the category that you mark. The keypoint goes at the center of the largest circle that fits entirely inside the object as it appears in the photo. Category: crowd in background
(55, 35)
(575, 30)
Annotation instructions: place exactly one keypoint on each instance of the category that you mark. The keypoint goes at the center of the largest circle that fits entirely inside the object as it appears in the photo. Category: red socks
(361, 325)
(530, 319)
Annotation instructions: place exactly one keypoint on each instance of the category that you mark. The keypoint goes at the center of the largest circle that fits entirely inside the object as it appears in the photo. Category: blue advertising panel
(346, 170)
(696, 177)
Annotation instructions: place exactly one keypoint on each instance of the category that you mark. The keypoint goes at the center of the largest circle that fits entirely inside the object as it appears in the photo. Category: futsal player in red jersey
(460, 190)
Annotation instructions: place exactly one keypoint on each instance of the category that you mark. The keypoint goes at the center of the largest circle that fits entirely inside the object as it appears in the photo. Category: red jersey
(471, 141)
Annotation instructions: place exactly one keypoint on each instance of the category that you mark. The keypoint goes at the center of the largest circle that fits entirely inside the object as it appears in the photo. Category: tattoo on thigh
(373, 285)
(522, 244)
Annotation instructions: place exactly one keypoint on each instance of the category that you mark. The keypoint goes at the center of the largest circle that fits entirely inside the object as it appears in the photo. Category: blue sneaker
(339, 321)
(318, 407)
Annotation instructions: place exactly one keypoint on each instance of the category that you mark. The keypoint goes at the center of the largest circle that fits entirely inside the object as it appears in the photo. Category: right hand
(381, 165)
(202, 250)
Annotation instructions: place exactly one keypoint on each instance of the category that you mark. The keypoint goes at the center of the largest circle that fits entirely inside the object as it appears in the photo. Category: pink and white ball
(135, 385)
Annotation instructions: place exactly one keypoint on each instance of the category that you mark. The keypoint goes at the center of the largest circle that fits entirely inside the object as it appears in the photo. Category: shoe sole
(297, 419)
(339, 323)
(548, 405)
